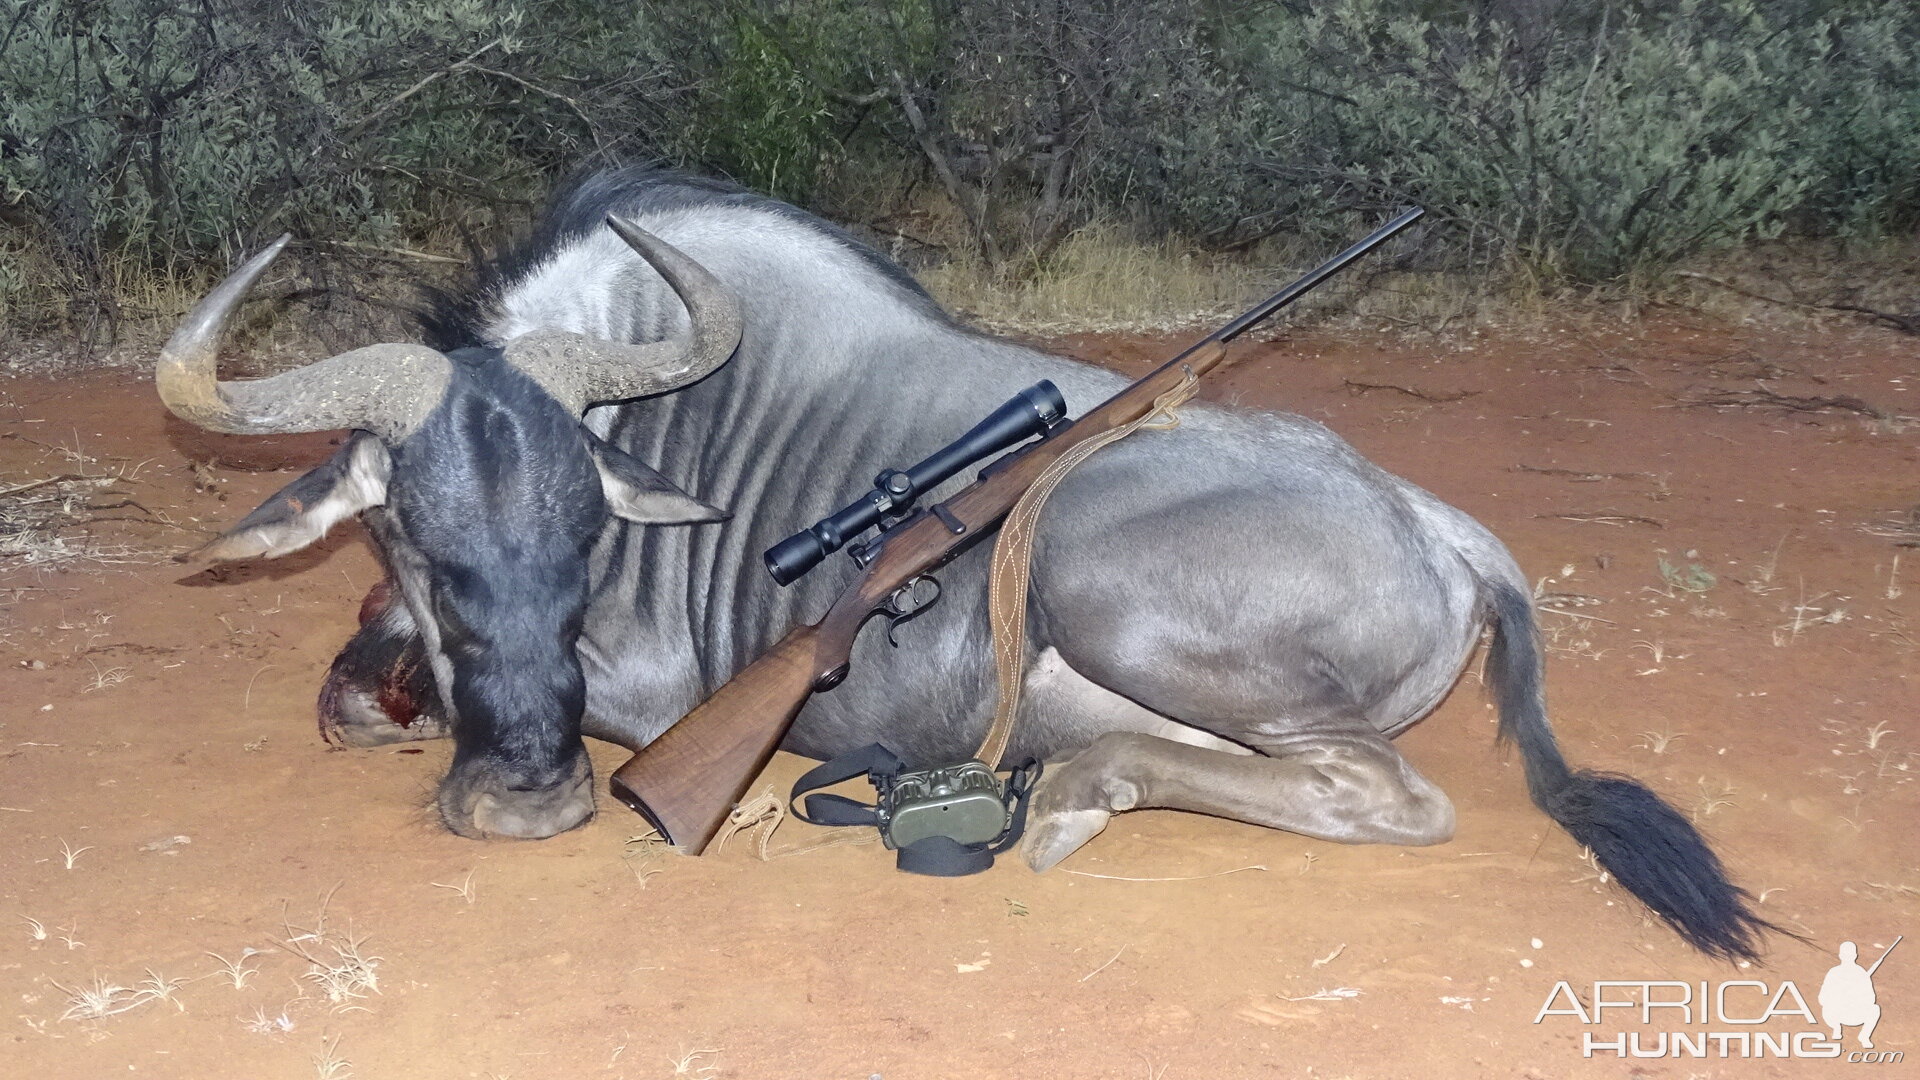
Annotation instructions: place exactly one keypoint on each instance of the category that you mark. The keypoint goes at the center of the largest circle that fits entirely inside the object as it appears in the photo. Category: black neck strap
(935, 856)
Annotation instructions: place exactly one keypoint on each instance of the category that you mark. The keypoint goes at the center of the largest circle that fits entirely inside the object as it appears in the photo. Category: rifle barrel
(1264, 310)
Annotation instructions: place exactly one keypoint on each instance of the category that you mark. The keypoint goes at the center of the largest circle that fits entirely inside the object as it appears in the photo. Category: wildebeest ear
(638, 494)
(302, 512)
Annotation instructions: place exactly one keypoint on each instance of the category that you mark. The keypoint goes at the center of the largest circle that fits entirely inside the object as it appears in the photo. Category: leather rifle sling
(1013, 562)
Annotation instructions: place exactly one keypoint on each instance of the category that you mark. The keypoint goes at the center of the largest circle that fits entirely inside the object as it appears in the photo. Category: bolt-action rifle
(687, 780)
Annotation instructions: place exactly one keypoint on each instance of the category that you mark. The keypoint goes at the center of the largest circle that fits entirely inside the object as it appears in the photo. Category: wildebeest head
(485, 493)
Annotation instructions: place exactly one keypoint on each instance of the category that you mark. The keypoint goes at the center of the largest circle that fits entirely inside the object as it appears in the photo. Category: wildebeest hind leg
(380, 688)
(1348, 786)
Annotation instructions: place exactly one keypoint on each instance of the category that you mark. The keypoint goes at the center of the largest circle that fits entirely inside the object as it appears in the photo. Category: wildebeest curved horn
(386, 389)
(582, 371)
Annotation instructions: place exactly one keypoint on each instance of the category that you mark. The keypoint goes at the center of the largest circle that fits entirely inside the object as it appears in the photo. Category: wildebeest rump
(1232, 618)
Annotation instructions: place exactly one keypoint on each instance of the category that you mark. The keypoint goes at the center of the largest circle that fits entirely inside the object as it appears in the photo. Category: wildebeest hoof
(353, 718)
(489, 809)
(1052, 837)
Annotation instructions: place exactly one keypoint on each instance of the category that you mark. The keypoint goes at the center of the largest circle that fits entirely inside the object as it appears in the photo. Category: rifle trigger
(906, 604)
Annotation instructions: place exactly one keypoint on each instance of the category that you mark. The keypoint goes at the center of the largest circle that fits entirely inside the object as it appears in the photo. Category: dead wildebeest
(1232, 618)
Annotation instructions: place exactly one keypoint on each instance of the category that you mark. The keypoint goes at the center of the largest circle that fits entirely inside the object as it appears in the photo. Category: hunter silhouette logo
(1846, 996)
(1738, 1018)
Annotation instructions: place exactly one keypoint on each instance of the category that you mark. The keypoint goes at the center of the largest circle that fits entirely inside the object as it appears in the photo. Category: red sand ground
(563, 962)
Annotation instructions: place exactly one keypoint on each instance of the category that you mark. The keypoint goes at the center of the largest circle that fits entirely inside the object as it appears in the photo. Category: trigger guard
(897, 615)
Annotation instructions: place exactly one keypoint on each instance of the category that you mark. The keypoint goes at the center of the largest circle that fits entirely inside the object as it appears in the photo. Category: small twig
(465, 888)
(1749, 293)
(1606, 517)
(1583, 477)
(61, 479)
(907, 236)
(246, 700)
(1357, 388)
(398, 252)
(1338, 993)
(1576, 615)
(1106, 965)
(1767, 399)
(458, 65)
(1196, 877)
(1907, 323)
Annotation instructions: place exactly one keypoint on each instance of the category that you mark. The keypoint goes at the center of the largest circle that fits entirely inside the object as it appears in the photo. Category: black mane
(458, 318)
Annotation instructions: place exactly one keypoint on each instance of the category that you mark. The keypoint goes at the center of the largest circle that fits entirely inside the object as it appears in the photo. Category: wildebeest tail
(1642, 841)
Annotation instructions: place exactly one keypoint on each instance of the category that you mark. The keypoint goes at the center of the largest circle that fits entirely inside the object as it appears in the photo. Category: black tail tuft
(1654, 852)
(1661, 858)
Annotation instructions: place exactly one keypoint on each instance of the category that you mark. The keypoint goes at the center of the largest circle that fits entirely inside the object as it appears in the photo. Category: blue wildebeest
(1232, 618)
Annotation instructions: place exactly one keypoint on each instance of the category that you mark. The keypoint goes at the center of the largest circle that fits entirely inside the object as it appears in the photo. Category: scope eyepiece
(1033, 411)
(804, 550)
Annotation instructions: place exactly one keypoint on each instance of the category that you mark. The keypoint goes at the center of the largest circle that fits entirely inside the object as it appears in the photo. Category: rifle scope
(1031, 412)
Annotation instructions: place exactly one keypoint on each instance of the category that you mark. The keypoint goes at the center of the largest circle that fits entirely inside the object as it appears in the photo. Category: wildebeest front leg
(1350, 787)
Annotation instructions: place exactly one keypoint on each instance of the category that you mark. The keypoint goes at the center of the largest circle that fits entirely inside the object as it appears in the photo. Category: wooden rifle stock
(689, 779)
(686, 781)
(672, 781)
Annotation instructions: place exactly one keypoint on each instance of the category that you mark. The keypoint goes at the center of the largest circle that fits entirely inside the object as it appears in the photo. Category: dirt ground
(1735, 635)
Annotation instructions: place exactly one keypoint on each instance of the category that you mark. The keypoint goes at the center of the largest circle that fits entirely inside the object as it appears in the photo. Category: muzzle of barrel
(1033, 411)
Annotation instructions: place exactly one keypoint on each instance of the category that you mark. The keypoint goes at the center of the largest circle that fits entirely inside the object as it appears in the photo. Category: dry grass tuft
(236, 971)
(1712, 800)
(1100, 280)
(1658, 742)
(262, 1024)
(105, 677)
(158, 988)
(70, 855)
(337, 962)
(329, 1065)
(1595, 872)
(464, 889)
(688, 1063)
(645, 854)
(100, 999)
(42, 524)
(45, 522)
(1806, 614)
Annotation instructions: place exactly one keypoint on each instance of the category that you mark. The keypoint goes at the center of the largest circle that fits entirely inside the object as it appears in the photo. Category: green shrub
(164, 135)
(1864, 131)
(1563, 144)
(1581, 158)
